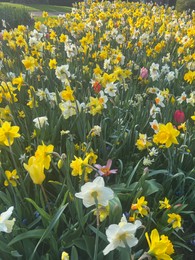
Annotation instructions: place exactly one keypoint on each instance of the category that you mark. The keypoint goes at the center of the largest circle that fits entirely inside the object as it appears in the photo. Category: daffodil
(121, 235)
(43, 155)
(65, 256)
(141, 206)
(159, 246)
(11, 178)
(164, 204)
(40, 122)
(35, 168)
(93, 192)
(6, 225)
(174, 220)
(166, 135)
(142, 142)
(8, 133)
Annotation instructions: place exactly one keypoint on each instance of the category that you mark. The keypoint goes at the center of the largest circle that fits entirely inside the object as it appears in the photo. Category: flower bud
(179, 116)
(144, 73)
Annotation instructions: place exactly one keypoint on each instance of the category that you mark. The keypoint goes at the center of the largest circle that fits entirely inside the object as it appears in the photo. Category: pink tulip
(144, 73)
(105, 170)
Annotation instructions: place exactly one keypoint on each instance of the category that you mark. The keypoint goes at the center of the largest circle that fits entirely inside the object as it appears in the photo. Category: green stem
(97, 233)
(46, 199)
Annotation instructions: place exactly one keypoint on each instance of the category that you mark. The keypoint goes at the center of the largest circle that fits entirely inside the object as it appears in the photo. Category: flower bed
(97, 134)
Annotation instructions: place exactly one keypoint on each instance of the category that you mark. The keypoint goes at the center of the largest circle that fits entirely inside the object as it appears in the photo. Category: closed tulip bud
(179, 116)
(144, 73)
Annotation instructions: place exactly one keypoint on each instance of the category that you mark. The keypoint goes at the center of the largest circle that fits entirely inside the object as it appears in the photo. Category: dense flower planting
(97, 134)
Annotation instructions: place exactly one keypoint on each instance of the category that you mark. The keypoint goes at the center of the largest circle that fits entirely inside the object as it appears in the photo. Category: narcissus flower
(141, 206)
(164, 204)
(11, 178)
(92, 192)
(160, 246)
(40, 122)
(8, 133)
(175, 220)
(166, 135)
(121, 235)
(6, 225)
(142, 142)
(43, 155)
(65, 256)
(193, 117)
(35, 168)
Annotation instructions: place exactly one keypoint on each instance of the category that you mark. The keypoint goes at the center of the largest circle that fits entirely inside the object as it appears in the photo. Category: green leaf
(74, 254)
(151, 186)
(15, 254)
(37, 233)
(42, 212)
(131, 174)
(101, 235)
(90, 242)
(47, 231)
(115, 210)
(4, 247)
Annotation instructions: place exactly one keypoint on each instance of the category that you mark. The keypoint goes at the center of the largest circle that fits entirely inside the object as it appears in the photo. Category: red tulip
(179, 116)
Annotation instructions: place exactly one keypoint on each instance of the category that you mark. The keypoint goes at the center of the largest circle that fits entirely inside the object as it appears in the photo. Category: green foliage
(14, 17)
(185, 5)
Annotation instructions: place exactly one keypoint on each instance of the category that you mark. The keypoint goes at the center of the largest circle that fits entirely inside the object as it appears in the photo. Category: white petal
(99, 181)
(110, 247)
(111, 232)
(105, 195)
(79, 195)
(3, 227)
(88, 201)
(131, 241)
(9, 225)
(7, 214)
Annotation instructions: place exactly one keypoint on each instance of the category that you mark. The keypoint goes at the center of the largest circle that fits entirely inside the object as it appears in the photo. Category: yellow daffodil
(142, 142)
(11, 178)
(8, 133)
(174, 220)
(141, 206)
(65, 256)
(35, 168)
(166, 135)
(43, 155)
(164, 204)
(159, 246)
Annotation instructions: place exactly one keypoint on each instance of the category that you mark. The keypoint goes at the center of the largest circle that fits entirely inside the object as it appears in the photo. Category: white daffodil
(40, 121)
(121, 235)
(96, 190)
(5, 224)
